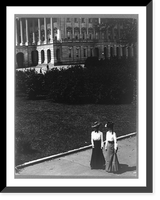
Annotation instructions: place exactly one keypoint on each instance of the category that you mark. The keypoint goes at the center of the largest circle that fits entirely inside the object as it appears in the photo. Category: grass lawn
(43, 128)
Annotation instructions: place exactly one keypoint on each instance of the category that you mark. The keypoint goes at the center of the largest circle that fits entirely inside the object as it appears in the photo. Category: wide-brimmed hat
(96, 124)
(109, 124)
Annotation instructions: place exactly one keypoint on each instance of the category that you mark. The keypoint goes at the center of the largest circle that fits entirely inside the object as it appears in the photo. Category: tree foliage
(105, 81)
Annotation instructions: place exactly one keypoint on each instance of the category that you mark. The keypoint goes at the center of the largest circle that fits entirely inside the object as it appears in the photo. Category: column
(102, 51)
(21, 32)
(94, 33)
(52, 55)
(132, 52)
(119, 31)
(39, 31)
(80, 36)
(39, 57)
(33, 42)
(45, 32)
(45, 57)
(109, 51)
(87, 27)
(65, 30)
(81, 49)
(88, 51)
(58, 30)
(126, 52)
(115, 50)
(26, 32)
(107, 33)
(17, 33)
(113, 33)
(120, 51)
(72, 28)
(99, 20)
(51, 23)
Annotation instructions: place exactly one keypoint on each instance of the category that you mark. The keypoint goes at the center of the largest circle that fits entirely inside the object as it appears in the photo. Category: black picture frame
(149, 141)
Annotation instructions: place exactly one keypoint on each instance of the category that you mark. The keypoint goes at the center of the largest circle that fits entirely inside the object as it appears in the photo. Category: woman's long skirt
(112, 163)
(97, 157)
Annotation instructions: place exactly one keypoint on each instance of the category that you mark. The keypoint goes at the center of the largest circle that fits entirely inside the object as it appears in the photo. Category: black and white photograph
(76, 98)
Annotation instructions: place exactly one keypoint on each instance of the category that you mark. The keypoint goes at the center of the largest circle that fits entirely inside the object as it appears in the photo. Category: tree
(130, 29)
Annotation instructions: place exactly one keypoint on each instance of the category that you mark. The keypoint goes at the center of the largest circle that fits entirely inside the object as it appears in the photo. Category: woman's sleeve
(106, 141)
(92, 139)
(101, 140)
(115, 141)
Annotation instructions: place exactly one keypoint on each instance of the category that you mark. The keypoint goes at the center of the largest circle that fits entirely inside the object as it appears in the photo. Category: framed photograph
(79, 99)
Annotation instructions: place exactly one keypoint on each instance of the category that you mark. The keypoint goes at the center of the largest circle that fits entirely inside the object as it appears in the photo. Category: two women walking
(110, 163)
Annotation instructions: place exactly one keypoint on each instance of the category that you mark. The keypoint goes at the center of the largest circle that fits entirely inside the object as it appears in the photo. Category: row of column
(100, 51)
(20, 32)
(96, 34)
(23, 27)
(47, 54)
(120, 51)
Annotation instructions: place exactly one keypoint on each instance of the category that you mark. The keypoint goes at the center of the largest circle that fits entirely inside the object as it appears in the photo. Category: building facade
(68, 41)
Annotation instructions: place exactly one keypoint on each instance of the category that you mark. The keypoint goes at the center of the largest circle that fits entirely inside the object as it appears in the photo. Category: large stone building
(68, 41)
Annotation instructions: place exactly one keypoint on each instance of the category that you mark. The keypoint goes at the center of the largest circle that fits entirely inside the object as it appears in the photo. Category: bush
(34, 84)
(20, 86)
(68, 86)
(105, 81)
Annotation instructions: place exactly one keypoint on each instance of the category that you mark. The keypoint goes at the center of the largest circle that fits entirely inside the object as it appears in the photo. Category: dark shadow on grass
(125, 168)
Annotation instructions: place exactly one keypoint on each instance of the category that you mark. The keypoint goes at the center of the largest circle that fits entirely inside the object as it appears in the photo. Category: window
(68, 20)
(69, 35)
(90, 20)
(76, 35)
(102, 35)
(76, 20)
(77, 52)
(83, 20)
(91, 52)
(83, 35)
(90, 36)
(84, 52)
(70, 55)
(96, 35)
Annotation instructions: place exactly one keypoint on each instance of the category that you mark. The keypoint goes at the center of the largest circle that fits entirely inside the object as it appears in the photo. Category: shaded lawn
(43, 128)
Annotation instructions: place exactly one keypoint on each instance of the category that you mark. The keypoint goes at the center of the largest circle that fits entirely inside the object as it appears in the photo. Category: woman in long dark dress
(112, 163)
(97, 157)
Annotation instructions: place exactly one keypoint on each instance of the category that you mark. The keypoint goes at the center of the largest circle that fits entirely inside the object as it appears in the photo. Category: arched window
(91, 52)
(83, 35)
(42, 56)
(77, 52)
(97, 35)
(34, 56)
(111, 52)
(69, 34)
(118, 53)
(102, 36)
(20, 60)
(123, 51)
(58, 54)
(84, 52)
(97, 52)
(70, 53)
(49, 55)
(105, 52)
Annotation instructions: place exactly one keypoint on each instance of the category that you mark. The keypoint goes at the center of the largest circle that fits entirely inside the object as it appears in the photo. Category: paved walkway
(78, 164)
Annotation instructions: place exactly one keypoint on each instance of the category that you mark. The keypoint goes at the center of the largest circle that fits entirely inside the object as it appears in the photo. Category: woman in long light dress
(97, 157)
(111, 146)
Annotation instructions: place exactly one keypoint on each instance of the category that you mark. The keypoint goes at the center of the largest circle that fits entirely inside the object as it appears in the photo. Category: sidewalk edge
(66, 153)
